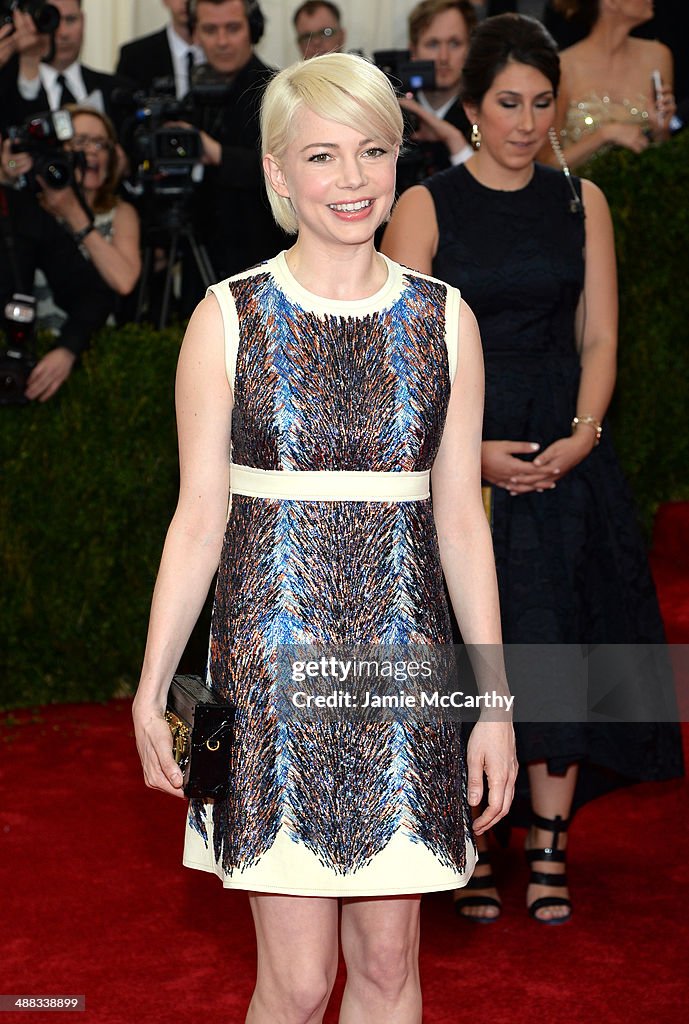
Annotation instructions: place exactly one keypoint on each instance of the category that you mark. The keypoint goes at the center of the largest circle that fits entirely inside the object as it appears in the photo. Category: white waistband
(328, 485)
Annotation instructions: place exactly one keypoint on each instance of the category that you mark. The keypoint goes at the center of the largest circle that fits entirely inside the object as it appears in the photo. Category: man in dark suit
(42, 85)
(439, 31)
(169, 53)
(232, 213)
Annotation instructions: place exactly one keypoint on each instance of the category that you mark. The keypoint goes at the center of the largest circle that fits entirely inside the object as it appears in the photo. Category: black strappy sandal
(483, 882)
(556, 880)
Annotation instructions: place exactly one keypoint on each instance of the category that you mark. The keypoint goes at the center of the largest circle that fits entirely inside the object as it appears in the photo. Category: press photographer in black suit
(169, 53)
(439, 31)
(231, 212)
(48, 85)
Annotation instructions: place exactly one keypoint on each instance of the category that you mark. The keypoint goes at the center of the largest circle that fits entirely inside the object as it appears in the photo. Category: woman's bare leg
(551, 795)
(380, 944)
(297, 945)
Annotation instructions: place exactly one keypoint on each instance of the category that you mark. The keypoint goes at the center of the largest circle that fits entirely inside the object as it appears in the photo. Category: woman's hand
(491, 749)
(63, 204)
(13, 165)
(566, 453)
(49, 374)
(666, 108)
(154, 743)
(499, 466)
(628, 135)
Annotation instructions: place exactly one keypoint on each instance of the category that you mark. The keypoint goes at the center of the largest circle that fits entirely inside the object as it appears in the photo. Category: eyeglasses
(321, 33)
(96, 142)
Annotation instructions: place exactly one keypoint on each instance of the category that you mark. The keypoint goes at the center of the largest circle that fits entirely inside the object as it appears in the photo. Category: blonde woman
(341, 381)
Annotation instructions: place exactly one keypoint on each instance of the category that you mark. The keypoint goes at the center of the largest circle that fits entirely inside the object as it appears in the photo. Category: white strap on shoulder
(452, 308)
(231, 326)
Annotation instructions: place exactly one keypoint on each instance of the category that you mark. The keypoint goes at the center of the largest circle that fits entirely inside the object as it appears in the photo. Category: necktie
(190, 69)
(66, 96)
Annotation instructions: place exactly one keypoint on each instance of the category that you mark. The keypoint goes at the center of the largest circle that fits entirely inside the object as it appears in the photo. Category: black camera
(43, 137)
(46, 17)
(405, 75)
(165, 156)
(17, 358)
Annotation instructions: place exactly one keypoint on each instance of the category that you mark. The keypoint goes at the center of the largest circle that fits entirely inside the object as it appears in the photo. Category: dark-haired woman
(511, 233)
(607, 95)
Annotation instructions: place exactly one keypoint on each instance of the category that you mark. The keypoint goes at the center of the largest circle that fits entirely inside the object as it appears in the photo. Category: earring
(475, 136)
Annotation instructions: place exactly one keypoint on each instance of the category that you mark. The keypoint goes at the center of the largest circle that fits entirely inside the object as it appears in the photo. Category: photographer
(439, 31)
(232, 210)
(87, 249)
(50, 73)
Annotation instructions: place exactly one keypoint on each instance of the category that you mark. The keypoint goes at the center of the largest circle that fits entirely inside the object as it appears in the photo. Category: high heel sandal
(558, 880)
(482, 882)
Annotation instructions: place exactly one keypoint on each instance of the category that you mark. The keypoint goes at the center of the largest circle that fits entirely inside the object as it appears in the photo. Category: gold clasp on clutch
(213, 744)
(181, 739)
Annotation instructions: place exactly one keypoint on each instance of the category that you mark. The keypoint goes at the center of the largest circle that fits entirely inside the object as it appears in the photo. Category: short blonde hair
(339, 86)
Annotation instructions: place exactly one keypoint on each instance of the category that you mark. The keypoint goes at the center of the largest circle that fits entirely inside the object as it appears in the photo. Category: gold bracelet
(589, 421)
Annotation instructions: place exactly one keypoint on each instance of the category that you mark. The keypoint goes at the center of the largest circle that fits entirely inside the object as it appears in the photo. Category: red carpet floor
(94, 900)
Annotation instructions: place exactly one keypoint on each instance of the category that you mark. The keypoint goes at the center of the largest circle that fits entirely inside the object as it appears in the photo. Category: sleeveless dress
(339, 408)
(571, 562)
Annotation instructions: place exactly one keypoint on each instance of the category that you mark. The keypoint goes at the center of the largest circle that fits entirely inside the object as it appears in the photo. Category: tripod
(172, 224)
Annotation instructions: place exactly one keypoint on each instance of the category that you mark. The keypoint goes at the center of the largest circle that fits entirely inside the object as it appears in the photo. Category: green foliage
(649, 199)
(89, 485)
(89, 479)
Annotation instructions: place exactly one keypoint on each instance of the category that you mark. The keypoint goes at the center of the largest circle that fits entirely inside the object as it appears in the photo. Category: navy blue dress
(571, 562)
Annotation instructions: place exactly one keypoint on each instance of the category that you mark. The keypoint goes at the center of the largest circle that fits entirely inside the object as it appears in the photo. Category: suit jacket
(231, 214)
(147, 58)
(420, 160)
(16, 109)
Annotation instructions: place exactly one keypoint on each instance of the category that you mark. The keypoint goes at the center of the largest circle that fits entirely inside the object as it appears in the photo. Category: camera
(404, 74)
(165, 156)
(43, 137)
(17, 358)
(46, 17)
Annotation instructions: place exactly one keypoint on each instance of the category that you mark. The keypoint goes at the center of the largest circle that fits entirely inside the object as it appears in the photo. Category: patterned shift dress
(339, 408)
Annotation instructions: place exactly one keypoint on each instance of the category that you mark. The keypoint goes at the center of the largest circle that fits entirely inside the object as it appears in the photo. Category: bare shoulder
(593, 196)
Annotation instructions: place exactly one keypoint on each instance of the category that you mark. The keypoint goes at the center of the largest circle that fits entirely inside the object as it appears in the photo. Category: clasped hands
(501, 467)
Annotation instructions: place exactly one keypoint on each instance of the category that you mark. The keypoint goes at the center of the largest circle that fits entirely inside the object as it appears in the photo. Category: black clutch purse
(202, 730)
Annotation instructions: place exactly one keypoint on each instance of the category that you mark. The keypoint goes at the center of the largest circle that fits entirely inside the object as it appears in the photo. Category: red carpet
(95, 901)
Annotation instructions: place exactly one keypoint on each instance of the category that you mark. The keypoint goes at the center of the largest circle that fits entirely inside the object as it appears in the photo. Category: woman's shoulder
(416, 277)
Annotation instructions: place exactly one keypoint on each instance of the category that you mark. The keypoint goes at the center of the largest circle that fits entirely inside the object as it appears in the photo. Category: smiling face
(514, 116)
(92, 139)
(340, 181)
(445, 41)
(223, 32)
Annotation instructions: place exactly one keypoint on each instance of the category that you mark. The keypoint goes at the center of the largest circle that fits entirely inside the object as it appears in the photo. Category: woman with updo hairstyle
(532, 250)
(318, 391)
(616, 89)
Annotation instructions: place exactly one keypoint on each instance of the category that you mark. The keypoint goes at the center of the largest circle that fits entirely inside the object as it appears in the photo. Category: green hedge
(89, 479)
(649, 199)
(89, 485)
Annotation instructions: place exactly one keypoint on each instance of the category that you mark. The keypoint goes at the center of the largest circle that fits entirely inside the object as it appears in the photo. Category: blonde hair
(338, 86)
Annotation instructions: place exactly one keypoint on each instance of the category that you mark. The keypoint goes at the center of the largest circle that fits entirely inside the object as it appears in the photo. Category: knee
(386, 964)
(296, 997)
